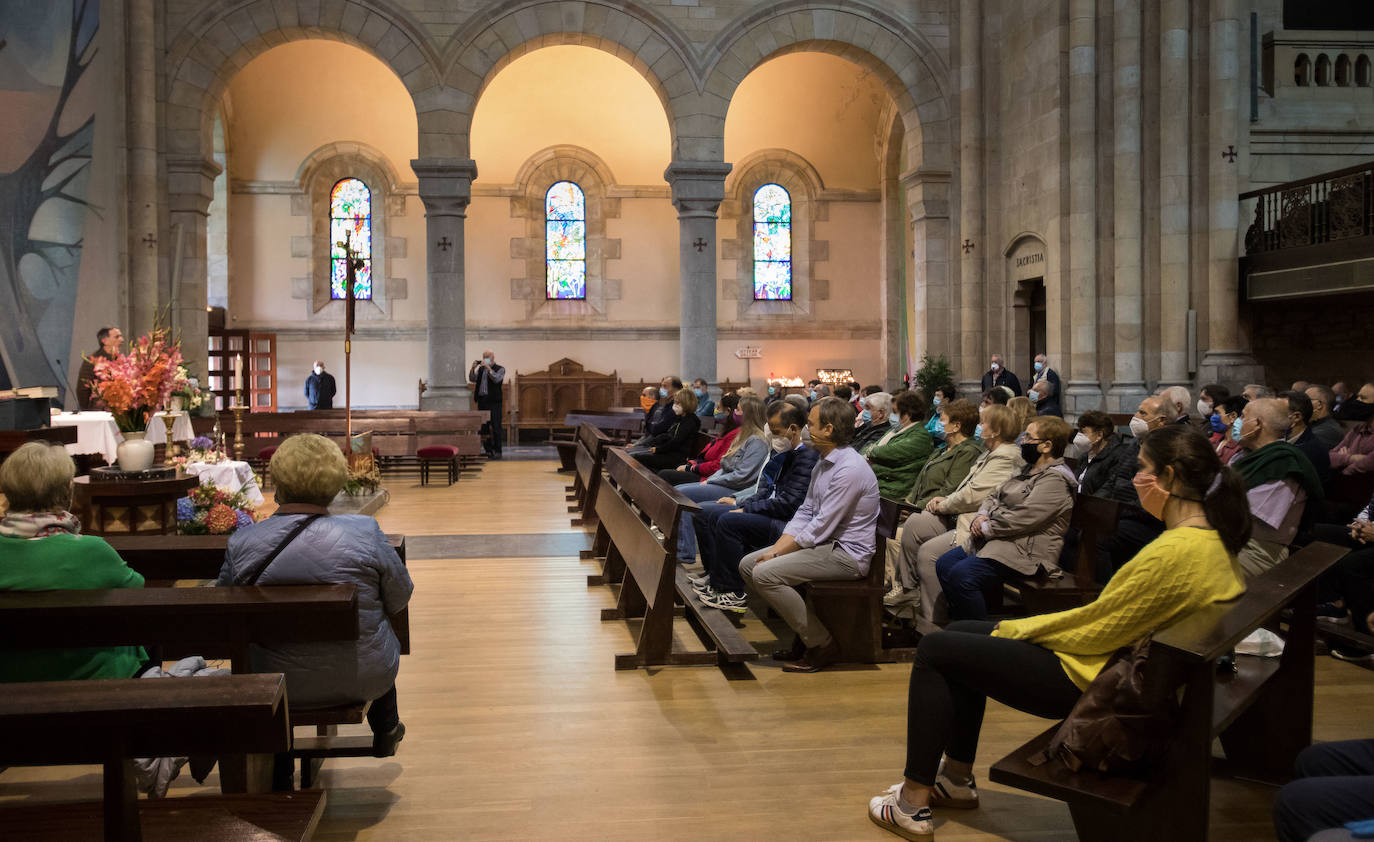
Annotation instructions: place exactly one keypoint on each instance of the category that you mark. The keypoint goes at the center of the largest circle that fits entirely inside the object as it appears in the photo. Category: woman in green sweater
(898, 456)
(1041, 665)
(42, 549)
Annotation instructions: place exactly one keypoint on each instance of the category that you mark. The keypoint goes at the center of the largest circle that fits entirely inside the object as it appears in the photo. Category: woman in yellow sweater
(1041, 665)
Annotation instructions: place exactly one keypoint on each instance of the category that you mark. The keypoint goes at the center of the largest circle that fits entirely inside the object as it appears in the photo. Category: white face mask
(319, 369)
(1081, 441)
(996, 366)
(1139, 427)
(1204, 408)
(781, 444)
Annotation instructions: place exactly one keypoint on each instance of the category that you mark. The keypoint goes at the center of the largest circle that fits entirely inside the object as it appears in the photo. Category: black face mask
(1355, 410)
(1030, 452)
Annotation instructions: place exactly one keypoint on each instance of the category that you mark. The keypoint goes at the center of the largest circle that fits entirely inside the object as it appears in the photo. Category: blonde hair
(308, 468)
(1002, 422)
(746, 392)
(1023, 411)
(754, 423)
(688, 399)
(38, 478)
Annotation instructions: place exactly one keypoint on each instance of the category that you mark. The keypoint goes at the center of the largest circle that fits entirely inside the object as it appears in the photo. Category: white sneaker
(899, 597)
(726, 601)
(698, 578)
(884, 812)
(947, 793)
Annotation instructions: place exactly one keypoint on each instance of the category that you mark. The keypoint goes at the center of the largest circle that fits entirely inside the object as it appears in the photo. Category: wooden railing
(1328, 208)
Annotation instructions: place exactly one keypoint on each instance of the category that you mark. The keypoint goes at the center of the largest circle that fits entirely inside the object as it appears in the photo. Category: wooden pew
(1262, 713)
(614, 424)
(852, 609)
(589, 461)
(111, 722)
(1095, 518)
(640, 514)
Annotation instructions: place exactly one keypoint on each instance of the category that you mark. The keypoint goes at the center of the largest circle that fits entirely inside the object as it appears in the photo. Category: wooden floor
(519, 728)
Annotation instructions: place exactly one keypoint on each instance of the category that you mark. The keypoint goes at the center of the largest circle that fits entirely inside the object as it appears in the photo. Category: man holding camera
(486, 377)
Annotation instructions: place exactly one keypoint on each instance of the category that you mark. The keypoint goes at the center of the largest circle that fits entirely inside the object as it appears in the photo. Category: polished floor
(519, 728)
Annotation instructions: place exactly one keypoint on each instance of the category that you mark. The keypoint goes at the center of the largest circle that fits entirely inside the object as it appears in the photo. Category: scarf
(1278, 461)
(39, 524)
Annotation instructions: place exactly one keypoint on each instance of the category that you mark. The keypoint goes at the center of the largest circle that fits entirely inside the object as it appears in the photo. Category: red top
(711, 456)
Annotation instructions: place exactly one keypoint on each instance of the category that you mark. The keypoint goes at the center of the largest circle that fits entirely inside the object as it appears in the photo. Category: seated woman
(738, 469)
(1023, 411)
(302, 544)
(899, 456)
(707, 462)
(944, 396)
(944, 521)
(42, 549)
(1041, 665)
(1019, 529)
(944, 471)
(671, 447)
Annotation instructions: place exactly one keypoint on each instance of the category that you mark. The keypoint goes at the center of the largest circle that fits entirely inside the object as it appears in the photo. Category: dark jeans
(1133, 532)
(955, 672)
(964, 577)
(662, 461)
(1335, 785)
(676, 477)
(724, 537)
(1353, 578)
(493, 425)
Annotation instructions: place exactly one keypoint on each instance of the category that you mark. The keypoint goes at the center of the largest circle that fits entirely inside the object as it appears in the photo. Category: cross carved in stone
(1229, 154)
(150, 240)
(699, 244)
(967, 246)
(444, 244)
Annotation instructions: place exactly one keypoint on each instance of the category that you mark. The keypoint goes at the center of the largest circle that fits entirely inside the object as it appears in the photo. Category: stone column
(1083, 390)
(972, 316)
(1128, 375)
(1174, 213)
(190, 189)
(1226, 359)
(446, 190)
(698, 189)
(144, 297)
(927, 200)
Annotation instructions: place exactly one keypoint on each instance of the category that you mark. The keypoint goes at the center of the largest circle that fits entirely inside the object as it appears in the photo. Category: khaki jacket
(1027, 518)
(991, 470)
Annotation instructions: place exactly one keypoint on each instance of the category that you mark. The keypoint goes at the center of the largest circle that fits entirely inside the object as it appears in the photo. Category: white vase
(175, 403)
(135, 452)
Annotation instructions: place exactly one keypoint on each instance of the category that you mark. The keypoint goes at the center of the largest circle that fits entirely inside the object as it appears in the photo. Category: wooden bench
(616, 425)
(1262, 713)
(1095, 518)
(589, 460)
(110, 722)
(640, 515)
(852, 609)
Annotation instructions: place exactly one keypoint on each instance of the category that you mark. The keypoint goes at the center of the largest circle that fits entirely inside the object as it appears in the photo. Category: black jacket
(1003, 378)
(1049, 404)
(85, 398)
(493, 379)
(1109, 474)
(1316, 453)
(659, 419)
(320, 391)
(789, 489)
(677, 441)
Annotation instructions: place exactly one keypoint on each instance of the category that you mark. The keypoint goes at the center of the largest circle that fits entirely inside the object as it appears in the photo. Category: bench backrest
(1095, 518)
(629, 508)
(589, 460)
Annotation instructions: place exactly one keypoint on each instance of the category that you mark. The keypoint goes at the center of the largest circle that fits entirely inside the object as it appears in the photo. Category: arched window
(565, 242)
(1302, 70)
(350, 214)
(1323, 70)
(1362, 71)
(1343, 70)
(772, 244)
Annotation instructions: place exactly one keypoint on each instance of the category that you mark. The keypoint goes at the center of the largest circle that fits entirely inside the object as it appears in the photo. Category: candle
(238, 372)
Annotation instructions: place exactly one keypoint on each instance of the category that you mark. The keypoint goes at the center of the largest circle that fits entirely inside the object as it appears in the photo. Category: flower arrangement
(188, 390)
(133, 386)
(211, 510)
(201, 449)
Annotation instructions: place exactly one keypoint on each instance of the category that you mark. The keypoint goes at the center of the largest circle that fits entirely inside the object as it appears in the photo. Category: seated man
(1279, 482)
(706, 407)
(832, 536)
(1020, 529)
(1153, 413)
(899, 456)
(877, 420)
(751, 520)
(659, 418)
(1180, 400)
(1300, 434)
(1326, 428)
(1208, 406)
(1106, 471)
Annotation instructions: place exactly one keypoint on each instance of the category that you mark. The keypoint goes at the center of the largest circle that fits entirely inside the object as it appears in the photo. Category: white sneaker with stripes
(885, 813)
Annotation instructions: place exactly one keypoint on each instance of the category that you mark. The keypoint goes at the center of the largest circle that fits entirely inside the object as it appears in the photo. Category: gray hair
(1261, 391)
(798, 401)
(1180, 396)
(308, 468)
(879, 401)
(38, 478)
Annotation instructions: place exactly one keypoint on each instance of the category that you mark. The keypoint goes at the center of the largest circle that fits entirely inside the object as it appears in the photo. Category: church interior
(549, 273)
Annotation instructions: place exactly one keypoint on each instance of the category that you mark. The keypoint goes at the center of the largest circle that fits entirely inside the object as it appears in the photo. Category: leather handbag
(1124, 720)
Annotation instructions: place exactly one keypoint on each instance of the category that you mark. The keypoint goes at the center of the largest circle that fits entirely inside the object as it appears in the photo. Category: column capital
(927, 193)
(191, 183)
(698, 187)
(445, 184)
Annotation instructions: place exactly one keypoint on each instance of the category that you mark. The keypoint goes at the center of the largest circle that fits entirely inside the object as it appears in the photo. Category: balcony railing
(1328, 208)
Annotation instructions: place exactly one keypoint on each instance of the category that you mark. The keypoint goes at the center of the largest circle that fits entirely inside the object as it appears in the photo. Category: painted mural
(47, 145)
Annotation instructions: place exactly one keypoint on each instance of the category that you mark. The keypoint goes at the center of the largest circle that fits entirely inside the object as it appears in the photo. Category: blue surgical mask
(866, 416)
(1033, 395)
(1039, 366)
(936, 426)
(936, 402)
(772, 391)
(978, 432)
(662, 393)
(1217, 425)
(700, 393)
(812, 394)
(1235, 428)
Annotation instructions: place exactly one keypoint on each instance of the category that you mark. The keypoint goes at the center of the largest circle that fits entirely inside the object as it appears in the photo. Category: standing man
(109, 338)
(319, 388)
(1044, 390)
(997, 375)
(487, 376)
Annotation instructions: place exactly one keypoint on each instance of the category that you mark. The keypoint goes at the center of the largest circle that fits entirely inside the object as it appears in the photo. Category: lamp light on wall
(835, 376)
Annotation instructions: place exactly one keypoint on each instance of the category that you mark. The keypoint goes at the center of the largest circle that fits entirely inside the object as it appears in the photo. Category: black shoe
(817, 658)
(796, 653)
(384, 745)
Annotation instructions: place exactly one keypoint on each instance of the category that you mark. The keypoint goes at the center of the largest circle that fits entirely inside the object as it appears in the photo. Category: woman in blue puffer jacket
(301, 544)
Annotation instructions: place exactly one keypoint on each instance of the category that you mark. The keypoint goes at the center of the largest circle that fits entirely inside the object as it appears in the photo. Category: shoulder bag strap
(251, 577)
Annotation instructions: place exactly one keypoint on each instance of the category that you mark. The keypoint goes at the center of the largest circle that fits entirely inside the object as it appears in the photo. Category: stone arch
(215, 44)
(353, 151)
(906, 63)
(649, 44)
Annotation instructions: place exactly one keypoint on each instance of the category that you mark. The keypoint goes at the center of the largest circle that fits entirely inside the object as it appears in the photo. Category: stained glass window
(772, 244)
(350, 213)
(565, 242)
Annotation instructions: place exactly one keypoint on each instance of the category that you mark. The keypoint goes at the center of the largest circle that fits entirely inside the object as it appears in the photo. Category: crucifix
(352, 263)
(699, 243)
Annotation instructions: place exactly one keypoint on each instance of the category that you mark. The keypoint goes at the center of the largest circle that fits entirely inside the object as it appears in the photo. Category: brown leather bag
(1124, 720)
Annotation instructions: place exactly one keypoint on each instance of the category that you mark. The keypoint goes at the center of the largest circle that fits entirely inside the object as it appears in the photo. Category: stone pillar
(1128, 374)
(972, 263)
(144, 297)
(1083, 390)
(190, 189)
(698, 189)
(929, 306)
(1226, 359)
(446, 190)
(1174, 216)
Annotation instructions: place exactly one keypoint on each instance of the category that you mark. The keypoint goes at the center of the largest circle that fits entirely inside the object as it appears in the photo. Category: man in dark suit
(110, 338)
(1046, 389)
(487, 377)
(320, 388)
(997, 375)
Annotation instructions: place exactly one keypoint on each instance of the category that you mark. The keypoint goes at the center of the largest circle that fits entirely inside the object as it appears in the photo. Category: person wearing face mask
(945, 521)
(1020, 527)
(673, 446)
(1327, 429)
(997, 375)
(1300, 433)
(944, 395)
(1045, 389)
(1352, 460)
(817, 392)
(1280, 483)
(1106, 471)
(899, 456)
(1153, 413)
(648, 399)
(319, 388)
(877, 420)
(1042, 664)
(487, 377)
(660, 417)
(755, 517)
(706, 407)
(1228, 412)
(832, 536)
(1360, 407)
(1208, 403)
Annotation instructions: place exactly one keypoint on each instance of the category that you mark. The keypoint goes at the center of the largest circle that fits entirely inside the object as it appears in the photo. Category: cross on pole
(150, 240)
(1229, 154)
(444, 244)
(967, 246)
(699, 243)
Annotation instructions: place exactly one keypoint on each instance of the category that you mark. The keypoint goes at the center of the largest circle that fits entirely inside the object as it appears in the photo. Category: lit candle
(238, 372)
